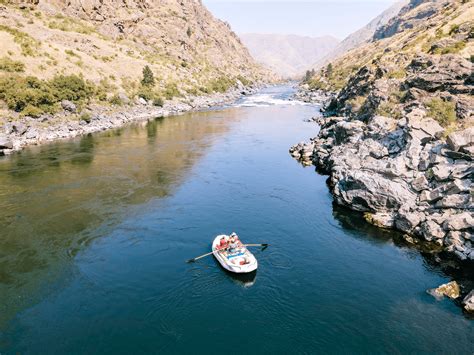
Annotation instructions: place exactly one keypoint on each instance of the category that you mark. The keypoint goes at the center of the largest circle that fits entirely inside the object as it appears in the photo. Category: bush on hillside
(32, 96)
(11, 66)
(442, 111)
(171, 90)
(28, 44)
(148, 77)
(71, 87)
(221, 84)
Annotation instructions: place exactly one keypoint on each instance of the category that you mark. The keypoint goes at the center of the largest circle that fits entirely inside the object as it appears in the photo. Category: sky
(312, 18)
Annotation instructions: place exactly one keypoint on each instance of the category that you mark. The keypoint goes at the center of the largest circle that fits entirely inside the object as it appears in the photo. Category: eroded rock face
(402, 180)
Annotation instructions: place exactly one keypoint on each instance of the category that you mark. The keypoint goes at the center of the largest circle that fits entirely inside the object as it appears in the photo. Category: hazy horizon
(314, 18)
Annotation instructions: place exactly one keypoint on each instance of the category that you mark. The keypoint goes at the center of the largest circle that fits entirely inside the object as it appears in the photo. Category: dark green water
(95, 232)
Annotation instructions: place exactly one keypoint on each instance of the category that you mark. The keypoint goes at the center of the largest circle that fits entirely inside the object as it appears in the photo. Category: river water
(95, 231)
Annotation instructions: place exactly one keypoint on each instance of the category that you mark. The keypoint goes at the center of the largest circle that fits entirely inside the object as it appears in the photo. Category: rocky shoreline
(401, 174)
(21, 132)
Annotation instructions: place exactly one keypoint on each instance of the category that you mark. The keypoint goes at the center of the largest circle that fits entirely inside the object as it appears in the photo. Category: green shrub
(454, 29)
(221, 84)
(388, 109)
(71, 87)
(11, 66)
(115, 100)
(442, 111)
(85, 116)
(20, 92)
(454, 48)
(148, 77)
(158, 101)
(244, 80)
(171, 90)
(71, 53)
(32, 111)
(70, 25)
(32, 96)
(397, 74)
(146, 93)
(27, 43)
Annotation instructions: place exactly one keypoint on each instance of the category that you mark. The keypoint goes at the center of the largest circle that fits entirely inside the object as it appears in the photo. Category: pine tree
(148, 77)
(329, 70)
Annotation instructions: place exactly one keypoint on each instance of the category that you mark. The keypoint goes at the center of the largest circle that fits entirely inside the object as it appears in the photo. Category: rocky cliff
(288, 55)
(397, 138)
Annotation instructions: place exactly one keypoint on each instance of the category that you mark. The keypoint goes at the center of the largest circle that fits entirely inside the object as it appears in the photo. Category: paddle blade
(265, 246)
(190, 261)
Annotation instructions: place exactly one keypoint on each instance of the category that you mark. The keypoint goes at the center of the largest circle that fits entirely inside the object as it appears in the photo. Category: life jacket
(222, 243)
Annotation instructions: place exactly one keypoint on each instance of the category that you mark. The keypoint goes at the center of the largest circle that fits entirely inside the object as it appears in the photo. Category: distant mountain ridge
(365, 34)
(288, 55)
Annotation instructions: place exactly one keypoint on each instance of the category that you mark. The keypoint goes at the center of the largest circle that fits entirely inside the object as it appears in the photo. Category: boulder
(345, 131)
(432, 127)
(19, 128)
(455, 240)
(468, 150)
(367, 191)
(459, 221)
(5, 142)
(406, 221)
(420, 183)
(420, 135)
(456, 155)
(454, 201)
(468, 302)
(451, 290)
(431, 230)
(442, 172)
(460, 139)
(382, 220)
(458, 186)
(31, 133)
(123, 98)
(68, 106)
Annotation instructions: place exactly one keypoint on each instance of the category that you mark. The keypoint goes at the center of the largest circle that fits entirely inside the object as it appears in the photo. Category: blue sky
(312, 18)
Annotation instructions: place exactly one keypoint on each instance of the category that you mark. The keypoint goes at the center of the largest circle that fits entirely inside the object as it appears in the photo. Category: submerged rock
(451, 290)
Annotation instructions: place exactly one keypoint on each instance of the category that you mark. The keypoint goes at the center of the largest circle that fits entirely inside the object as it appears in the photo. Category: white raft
(240, 261)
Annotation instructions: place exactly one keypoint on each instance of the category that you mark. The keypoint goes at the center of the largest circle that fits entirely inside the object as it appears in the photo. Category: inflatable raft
(239, 260)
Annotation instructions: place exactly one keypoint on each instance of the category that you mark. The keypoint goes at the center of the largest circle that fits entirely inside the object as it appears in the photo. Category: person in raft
(223, 244)
(234, 242)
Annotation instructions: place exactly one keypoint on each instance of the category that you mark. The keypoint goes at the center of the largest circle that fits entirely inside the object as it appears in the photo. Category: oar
(264, 245)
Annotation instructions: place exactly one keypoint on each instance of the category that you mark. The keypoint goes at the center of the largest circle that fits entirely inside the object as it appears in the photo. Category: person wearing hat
(233, 242)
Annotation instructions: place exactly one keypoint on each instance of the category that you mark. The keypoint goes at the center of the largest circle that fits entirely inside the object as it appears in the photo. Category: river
(95, 232)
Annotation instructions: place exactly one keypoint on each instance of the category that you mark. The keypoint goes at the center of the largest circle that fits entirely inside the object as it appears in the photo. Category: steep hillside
(363, 35)
(288, 55)
(424, 54)
(399, 142)
(108, 43)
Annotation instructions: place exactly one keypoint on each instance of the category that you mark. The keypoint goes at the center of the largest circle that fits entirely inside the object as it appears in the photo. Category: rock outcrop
(398, 169)
(397, 136)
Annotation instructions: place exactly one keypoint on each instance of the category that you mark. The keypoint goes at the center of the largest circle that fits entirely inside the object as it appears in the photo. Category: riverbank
(402, 174)
(24, 131)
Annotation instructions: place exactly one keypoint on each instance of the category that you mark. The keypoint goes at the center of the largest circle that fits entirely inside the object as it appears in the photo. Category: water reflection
(56, 198)
(244, 280)
(434, 259)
